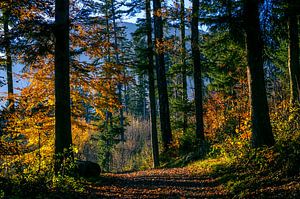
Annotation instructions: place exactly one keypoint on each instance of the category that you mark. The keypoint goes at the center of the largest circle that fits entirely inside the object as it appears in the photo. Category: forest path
(158, 183)
(194, 181)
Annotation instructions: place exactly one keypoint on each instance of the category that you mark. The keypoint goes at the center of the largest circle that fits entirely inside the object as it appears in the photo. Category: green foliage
(37, 179)
(65, 184)
(109, 136)
(180, 106)
(141, 159)
(254, 168)
(231, 147)
(185, 149)
(226, 63)
(286, 126)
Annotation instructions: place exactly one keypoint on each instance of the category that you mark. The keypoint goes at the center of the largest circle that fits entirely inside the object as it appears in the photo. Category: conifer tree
(119, 87)
(161, 76)
(293, 52)
(197, 71)
(151, 80)
(184, 65)
(63, 135)
(261, 127)
(8, 54)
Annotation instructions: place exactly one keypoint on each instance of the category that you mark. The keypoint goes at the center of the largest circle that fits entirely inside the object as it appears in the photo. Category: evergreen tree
(161, 76)
(119, 86)
(63, 135)
(8, 54)
(293, 53)
(261, 127)
(154, 137)
(145, 65)
(184, 65)
(197, 71)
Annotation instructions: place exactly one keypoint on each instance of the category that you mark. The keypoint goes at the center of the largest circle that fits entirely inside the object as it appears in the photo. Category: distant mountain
(19, 83)
(130, 28)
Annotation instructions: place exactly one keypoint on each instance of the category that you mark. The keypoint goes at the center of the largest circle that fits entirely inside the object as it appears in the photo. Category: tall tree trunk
(63, 135)
(107, 30)
(108, 114)
(197, 71)
(154, 138)
(7, 45)
(293, 61)
(119, 86)
(126, 96)
(261, 127)
(183, 67)
(161, 77)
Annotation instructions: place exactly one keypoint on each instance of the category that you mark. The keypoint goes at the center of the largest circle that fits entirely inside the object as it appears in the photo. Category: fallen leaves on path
(188, 183)
(158, 183)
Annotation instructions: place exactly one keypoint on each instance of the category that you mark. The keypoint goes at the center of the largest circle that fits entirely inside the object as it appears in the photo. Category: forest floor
(194, 181)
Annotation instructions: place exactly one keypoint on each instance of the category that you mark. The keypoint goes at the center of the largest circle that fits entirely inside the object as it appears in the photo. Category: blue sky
(142, 14)
(17, 67)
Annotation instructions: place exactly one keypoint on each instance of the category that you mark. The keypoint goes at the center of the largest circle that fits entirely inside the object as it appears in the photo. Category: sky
(17, 67)
(133, 19)
(17, 82)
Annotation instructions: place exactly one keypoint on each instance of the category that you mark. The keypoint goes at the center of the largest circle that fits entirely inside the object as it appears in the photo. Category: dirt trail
(158, 183)
(188, 182)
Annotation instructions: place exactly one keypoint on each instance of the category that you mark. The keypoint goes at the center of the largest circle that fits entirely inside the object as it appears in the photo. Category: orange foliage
(93, 84)
(222, 110)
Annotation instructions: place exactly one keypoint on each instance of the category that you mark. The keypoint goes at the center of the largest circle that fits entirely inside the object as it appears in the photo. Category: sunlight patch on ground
(208, 165)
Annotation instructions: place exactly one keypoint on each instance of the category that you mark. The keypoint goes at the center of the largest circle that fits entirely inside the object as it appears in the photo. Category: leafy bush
(36, 178)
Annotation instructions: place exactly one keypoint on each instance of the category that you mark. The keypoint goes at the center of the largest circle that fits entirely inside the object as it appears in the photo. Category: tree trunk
(119, 86)
(10, 88)
(183, 67)
(197, 72)
(154, 138)
(293, 58)
(126, 96)
(63, 135)
(161, 77)
(261, 127)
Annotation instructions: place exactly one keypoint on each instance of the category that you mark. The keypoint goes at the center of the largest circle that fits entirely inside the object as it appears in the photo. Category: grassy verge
(264, 173)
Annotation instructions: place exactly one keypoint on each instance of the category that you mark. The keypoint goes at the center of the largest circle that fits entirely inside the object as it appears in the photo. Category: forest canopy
(127, 85)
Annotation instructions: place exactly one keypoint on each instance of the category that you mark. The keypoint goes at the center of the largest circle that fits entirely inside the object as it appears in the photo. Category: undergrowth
(248, 172)
(37, 179)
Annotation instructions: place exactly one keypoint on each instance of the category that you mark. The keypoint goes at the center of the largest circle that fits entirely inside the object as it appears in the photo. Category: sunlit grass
(209, 165)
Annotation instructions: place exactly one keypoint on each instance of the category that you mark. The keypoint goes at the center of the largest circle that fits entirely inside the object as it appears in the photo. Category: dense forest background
(134, 85)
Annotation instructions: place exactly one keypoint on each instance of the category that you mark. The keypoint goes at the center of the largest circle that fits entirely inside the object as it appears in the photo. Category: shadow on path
(225, 182)
(160, 183)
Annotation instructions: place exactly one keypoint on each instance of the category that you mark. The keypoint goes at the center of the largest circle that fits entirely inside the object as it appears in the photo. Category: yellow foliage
(92, 84)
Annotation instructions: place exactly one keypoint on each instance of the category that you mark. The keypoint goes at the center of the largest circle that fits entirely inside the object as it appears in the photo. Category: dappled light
(149, 99)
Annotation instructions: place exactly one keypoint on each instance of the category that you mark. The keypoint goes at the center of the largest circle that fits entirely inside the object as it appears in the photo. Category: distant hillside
(18, 83)
(130, 28)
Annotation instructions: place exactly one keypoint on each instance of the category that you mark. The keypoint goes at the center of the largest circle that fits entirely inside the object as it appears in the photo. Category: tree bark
(63, 135)
(183, 67)
(293, 57)
(119, 86)
(10, 88)
(261, 127)
(161, 77)
(154, 138)
(197, 71)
